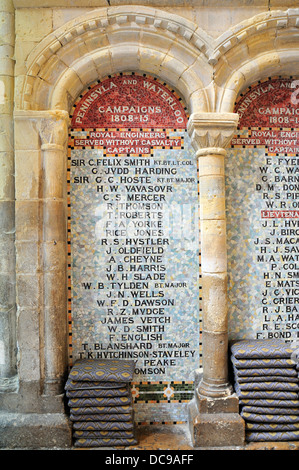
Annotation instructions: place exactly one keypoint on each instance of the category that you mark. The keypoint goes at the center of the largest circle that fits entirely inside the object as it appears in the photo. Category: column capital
(211, 133)
(52, 126)
(53, 130)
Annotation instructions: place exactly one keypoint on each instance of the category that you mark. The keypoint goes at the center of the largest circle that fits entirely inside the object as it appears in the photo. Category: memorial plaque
(134, 239)
(263, 213)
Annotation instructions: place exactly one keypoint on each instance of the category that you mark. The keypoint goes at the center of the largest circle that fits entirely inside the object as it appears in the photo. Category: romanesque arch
(255, 49)
(209, 74)
(108, 41)
(103, 42)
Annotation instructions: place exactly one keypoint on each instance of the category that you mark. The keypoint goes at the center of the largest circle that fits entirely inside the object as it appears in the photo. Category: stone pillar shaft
(8, 350)
(214, 418)
(35, 415)
(214, 272)
(53, 133)
(210, 134)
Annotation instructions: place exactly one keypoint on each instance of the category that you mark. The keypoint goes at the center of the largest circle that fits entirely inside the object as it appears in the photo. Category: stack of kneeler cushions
(100, 402)
(266, 382)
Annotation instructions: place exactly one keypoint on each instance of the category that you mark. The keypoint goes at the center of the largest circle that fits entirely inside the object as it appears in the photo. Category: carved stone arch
(255, 49)
(102, 42)
(107, 41)
(119, 39)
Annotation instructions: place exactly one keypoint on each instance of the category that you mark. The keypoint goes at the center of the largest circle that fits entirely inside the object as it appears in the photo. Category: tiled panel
(262, 213)
(134, 260)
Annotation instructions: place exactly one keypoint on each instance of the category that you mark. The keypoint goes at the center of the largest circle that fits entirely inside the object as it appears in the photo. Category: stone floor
(177, 437)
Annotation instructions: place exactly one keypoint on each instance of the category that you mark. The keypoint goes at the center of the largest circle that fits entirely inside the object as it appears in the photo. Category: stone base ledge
(215, 429)
(35, 431)
(227, 404)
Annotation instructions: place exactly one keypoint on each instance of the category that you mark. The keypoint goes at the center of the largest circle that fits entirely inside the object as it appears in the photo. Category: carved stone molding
(53, 130)
(111, 40)
(208, 72)
(211, 133)
(51, 125)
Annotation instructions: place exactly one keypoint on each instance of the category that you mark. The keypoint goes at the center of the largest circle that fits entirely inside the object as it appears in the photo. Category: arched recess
(264, 46)
(107, 41)
(208, 74)
(100, 43)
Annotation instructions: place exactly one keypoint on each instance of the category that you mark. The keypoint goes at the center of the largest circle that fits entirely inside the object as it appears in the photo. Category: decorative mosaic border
(162, 392)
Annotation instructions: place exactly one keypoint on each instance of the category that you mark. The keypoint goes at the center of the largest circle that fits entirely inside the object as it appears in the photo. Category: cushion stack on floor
(100, 401)
(266, 382)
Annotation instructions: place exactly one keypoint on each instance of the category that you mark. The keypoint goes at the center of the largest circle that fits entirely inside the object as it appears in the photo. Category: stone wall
(51, 52)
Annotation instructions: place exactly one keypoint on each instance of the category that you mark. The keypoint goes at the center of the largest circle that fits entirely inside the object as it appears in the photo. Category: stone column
(34, 415)
(214, 417)
(53, 131)
(8, 349)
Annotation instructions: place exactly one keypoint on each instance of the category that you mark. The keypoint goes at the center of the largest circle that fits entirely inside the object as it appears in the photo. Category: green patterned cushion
(267, 418)
(272, 436)
(103, 425)
(86, 385)
(106, 370)
(104, 402)
(269, 402)
(99, 393)
(101, 417)
(104, 434)
(261, 349)
(108, 442)
(269, 386)
(270, 410)
(261, 363)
